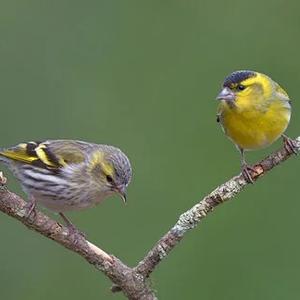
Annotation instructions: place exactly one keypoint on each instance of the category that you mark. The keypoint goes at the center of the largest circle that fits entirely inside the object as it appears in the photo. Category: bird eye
(241, 87)
(109, 178)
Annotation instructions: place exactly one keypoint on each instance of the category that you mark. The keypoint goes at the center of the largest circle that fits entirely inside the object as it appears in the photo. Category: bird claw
(290, 145)
(30, 209)
(75, 233)
(246, 172)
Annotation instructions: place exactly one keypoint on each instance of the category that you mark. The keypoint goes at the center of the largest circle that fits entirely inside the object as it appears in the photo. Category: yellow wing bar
(33, 153)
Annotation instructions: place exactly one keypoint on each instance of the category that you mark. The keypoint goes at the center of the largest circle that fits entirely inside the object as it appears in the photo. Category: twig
(191, 218)
(133, 281)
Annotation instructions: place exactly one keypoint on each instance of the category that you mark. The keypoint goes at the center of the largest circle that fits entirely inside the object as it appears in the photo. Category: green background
(143, 75)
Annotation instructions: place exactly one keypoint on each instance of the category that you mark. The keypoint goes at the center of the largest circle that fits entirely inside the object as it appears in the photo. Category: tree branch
(191, 218)
(133, 281)
(133, 285)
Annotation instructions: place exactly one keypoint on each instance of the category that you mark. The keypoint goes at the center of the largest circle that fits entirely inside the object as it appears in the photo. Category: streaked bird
(66, 175)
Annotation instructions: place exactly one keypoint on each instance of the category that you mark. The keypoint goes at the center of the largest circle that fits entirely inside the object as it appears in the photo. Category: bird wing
(282, 93)
(49, 154)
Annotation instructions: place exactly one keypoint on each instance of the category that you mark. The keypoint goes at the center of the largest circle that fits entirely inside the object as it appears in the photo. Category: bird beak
(226, 94)
(122, 192)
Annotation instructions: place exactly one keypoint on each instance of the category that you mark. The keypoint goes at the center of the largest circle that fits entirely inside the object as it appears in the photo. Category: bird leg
(246, 169)
(289, 145)
(30, 207)
(72, 229)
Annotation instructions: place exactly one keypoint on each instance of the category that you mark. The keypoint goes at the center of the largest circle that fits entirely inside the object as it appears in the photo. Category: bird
(68, 175)
(254, 111)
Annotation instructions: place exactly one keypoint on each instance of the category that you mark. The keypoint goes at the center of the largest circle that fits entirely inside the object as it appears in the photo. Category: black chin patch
(237, 77)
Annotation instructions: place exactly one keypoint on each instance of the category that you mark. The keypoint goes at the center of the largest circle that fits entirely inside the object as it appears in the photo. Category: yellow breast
(256, 127)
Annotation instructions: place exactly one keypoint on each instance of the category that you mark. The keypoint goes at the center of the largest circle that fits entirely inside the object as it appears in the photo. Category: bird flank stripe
(43, 177)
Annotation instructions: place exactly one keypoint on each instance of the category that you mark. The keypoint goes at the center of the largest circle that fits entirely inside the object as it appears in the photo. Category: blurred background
(143, 75)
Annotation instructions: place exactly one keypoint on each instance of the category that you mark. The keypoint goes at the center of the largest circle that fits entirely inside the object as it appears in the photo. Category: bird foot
(246, 171)
(30, 209)
(75, 233)
(290, 145)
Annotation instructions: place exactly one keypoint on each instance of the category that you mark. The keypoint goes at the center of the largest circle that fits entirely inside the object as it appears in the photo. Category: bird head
(244, 89)
(111, 170)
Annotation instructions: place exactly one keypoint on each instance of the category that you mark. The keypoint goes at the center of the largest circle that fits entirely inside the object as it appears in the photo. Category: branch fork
(133, 282)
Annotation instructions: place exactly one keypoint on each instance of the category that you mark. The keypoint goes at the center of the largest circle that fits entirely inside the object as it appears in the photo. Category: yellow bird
(254, 112)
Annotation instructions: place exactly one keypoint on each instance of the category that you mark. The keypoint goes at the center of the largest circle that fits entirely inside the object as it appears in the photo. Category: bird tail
(2, 156)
